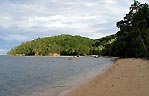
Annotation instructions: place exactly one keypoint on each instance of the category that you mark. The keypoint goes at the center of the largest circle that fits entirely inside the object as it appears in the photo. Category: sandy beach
(126, 77)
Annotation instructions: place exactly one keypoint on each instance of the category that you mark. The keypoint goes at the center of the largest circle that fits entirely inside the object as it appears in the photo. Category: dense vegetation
(131, 41)
(133, 38)
(63, 44)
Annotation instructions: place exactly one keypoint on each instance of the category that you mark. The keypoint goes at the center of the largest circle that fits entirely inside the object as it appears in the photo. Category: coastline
(51, 76)
(126, 77)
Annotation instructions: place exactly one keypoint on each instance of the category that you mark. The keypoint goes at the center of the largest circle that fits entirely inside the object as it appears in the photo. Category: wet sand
(126, 77)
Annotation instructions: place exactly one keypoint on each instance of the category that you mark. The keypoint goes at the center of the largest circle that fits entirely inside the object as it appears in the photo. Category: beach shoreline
(126, 77)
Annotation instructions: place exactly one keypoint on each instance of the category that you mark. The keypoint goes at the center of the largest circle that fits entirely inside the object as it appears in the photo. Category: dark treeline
(132, 40)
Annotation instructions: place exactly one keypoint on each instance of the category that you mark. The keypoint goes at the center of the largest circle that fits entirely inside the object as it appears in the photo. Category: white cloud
(15, 37)
(3, 51)
(5, 20)
(90, 4)
(111, 1)
(22, 20)
(79, 23)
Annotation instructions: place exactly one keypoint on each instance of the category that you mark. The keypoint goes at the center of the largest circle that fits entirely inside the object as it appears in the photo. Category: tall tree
(141, 24)
(130, 40)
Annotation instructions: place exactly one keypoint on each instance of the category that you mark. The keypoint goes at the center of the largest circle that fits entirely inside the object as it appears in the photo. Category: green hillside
(132, 39)
(63, 44)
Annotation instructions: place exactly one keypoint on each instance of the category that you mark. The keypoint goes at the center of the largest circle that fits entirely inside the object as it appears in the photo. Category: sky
(24, 20)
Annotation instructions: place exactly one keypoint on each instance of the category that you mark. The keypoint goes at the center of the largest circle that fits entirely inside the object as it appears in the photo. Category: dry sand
(127, 77)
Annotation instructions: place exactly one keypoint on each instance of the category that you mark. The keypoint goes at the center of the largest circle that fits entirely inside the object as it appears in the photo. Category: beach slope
(127, 77)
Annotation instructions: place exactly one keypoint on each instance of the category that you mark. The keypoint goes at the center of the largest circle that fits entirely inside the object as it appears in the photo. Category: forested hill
(63, 44)
(132, 39)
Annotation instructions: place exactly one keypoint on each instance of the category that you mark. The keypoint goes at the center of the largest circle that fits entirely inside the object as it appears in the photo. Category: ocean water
(46, 76)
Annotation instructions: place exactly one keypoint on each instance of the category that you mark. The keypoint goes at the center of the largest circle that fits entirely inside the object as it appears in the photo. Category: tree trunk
(142, 42)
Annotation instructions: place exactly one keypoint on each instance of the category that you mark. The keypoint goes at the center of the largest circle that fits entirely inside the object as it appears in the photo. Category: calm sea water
(46, 76)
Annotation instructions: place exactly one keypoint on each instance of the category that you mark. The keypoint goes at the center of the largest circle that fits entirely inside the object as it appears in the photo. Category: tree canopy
(63, 44)
(132, 39)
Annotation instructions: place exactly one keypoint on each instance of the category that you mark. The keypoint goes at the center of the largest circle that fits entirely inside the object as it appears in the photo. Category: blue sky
(23, 20)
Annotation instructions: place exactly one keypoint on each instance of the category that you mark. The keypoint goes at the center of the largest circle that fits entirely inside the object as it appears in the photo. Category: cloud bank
(22, 20)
